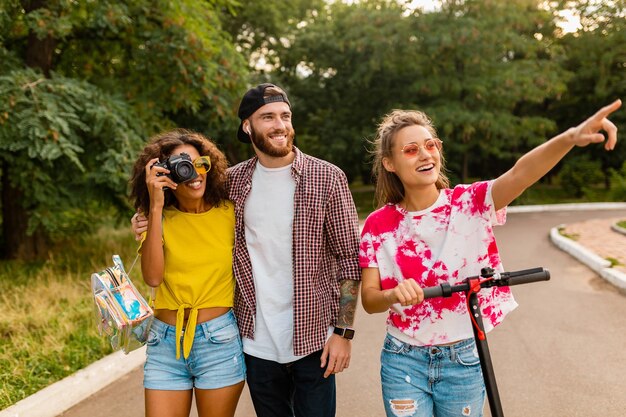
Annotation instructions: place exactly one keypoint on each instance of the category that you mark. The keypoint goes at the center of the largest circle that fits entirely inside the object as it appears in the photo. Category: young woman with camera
(179, 179)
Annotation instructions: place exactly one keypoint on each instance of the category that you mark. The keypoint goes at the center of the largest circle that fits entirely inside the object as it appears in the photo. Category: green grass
(572, 236)
(613, 261)
(47, 329)
(622, 224)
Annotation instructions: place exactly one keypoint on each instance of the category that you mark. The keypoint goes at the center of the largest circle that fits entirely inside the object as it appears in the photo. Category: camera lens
(185, 170)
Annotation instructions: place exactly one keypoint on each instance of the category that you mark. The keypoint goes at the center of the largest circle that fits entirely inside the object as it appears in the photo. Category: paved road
(559, 354)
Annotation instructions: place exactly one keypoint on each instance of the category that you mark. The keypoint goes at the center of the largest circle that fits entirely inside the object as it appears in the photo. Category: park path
(593, 235)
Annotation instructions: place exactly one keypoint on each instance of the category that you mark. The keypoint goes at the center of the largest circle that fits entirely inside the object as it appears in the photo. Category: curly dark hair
(161, 146)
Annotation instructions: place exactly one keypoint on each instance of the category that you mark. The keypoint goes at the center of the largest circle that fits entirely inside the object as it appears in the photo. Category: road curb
(618, 229)
(66, 393)
(579, 252)
(566, 207)
(62, 395)
(615, 277)
(599, 265)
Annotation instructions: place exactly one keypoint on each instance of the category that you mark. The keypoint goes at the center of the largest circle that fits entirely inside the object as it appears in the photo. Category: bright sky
(570, 22)
(426, 5)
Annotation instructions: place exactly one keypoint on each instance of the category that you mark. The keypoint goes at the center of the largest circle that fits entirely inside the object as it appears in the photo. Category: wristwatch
(345, 332)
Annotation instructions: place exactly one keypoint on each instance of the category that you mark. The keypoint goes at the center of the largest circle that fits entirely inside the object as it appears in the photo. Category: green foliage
(481, 69)
(83, 84)
(618, 183)
(596, 55)
(344, 67)
(259, 27)
(65, 144)
(578, 175)
(486, 68)
(164, 57)
(364, 200)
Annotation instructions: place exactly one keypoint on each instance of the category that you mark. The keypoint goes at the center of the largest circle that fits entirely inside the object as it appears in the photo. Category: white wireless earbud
(247, 130)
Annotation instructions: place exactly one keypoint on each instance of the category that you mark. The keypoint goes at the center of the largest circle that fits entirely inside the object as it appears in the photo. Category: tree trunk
(17, 244)
(39, 52)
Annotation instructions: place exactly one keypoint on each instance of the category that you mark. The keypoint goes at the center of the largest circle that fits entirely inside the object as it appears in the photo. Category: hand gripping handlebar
(492, 279)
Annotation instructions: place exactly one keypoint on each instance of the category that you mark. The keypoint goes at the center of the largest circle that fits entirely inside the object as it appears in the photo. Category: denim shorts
(427, 381)
(215, 361)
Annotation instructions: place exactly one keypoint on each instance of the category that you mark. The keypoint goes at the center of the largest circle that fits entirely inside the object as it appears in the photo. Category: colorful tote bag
(122, 314)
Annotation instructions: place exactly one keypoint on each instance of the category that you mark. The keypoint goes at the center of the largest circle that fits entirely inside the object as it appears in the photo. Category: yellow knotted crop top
(198, 253)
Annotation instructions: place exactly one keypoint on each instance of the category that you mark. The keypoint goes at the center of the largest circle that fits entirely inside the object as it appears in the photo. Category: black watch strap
(345, 332)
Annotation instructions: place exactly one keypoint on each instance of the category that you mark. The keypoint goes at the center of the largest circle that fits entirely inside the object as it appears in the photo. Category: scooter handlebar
(525, 276)
(433, 292)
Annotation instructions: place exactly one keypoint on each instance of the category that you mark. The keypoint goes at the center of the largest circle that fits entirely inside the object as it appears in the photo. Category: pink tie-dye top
(449, 241)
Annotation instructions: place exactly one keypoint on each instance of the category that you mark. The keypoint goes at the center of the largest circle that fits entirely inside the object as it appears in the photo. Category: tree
(484, 70)
(345, 67)
(259, 29)
(83, 84)
(487, 70)
(596, 55)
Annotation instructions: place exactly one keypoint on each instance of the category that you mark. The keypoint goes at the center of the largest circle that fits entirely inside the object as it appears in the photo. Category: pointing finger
(608, 109)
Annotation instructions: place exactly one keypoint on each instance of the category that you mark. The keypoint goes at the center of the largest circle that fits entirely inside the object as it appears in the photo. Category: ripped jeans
(427, 381)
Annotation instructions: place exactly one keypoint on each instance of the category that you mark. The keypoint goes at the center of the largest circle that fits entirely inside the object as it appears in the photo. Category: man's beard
(265, 145)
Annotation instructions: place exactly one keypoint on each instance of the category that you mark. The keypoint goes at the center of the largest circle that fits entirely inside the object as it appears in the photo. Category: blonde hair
(389, 188)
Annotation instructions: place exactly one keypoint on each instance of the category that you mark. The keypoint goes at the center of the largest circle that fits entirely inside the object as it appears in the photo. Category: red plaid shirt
(325, 248)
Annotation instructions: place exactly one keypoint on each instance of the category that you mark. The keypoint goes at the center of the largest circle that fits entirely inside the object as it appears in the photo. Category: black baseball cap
(252, 101)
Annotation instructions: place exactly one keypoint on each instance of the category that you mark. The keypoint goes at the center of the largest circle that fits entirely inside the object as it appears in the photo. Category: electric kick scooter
(471, 286)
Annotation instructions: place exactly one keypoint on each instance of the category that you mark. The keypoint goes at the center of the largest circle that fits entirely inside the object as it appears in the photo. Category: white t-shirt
(268, 221)
(447, 242)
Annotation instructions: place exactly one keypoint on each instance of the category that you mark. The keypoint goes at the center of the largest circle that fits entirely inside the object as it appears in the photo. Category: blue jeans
(287, 389)
(215, 361)
(427, 381)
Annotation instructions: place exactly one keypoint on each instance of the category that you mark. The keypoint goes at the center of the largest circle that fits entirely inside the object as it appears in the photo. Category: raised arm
(536, 163)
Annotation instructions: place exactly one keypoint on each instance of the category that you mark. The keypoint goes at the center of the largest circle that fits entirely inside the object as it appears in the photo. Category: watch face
(348, 334)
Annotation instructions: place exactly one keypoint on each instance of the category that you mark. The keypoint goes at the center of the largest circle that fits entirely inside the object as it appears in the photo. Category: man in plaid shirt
(295, 261)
